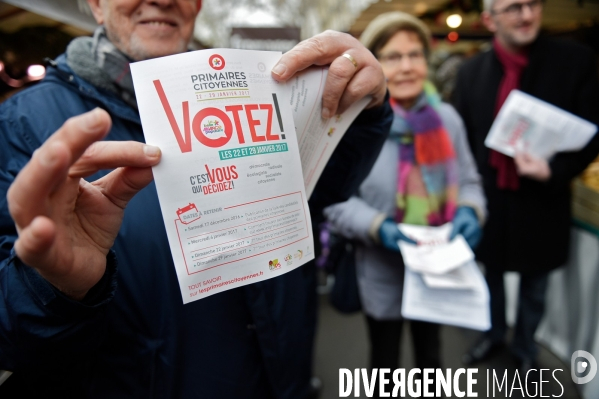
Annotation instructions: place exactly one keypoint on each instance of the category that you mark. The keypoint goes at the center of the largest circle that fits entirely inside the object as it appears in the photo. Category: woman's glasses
(394, 58)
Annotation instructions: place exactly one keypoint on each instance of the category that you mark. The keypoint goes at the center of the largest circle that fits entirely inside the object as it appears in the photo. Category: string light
(454, 20)
(420, 8)
(34, 73)
(453, 36)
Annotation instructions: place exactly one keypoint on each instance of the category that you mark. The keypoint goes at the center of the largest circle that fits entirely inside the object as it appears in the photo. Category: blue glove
(465, 222)
(390, 234)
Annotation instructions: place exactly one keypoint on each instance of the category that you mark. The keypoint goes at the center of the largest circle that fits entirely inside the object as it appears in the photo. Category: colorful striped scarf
(427, 178)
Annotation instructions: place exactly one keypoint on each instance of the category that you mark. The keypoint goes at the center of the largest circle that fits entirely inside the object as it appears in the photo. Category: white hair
(488, 4)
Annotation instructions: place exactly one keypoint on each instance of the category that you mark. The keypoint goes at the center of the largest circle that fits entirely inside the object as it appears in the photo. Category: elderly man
(528, 198)
(71, 325)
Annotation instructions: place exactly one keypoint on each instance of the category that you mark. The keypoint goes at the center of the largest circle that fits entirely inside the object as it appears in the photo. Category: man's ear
(96, 10)
(486, 18)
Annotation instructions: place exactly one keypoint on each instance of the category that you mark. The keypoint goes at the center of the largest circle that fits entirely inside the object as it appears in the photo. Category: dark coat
(528, 230)
(132, 337)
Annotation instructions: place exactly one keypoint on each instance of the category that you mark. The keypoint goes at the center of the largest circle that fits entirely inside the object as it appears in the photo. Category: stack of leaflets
(443, 283)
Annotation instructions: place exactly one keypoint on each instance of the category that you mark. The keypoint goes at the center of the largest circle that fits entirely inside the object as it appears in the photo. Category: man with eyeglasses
(528, 229)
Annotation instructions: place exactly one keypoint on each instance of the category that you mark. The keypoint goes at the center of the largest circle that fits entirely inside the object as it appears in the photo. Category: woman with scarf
(425, 175)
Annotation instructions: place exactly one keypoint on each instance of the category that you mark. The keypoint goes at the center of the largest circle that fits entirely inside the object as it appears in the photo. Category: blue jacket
(132, 337)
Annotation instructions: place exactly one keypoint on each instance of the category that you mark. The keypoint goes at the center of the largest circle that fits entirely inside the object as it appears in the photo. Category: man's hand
(532, 167)
(345, 83)
(67, 225)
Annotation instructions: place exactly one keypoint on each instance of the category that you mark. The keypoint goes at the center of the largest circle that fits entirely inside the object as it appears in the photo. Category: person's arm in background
(567, 165)
(354, 219)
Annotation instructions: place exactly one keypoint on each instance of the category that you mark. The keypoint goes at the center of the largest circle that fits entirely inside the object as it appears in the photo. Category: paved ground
(341, 343)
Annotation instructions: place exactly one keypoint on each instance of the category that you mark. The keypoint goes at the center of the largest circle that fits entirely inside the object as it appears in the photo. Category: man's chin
(526, 40)
(140, 51)
(526, 37)
(523, 40)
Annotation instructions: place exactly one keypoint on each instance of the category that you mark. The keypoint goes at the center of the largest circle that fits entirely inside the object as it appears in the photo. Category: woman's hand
(390, 234)
(465, 222)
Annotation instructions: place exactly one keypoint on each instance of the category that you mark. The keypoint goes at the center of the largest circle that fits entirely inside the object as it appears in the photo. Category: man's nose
(527, 12)
(161, 3)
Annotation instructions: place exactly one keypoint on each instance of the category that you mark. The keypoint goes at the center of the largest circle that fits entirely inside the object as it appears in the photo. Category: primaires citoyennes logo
(216, 61)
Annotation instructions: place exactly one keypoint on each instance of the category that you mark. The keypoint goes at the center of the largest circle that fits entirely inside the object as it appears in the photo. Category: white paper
(458, 279)
(467, 308)
(317, 137)
(230, 182)
(427, 235)
(527, 124)
(434, 254)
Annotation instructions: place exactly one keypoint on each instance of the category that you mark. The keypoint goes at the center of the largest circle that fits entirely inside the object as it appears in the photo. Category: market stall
(572, 317)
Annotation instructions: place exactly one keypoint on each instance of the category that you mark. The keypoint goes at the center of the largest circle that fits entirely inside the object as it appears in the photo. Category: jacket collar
(60, 72)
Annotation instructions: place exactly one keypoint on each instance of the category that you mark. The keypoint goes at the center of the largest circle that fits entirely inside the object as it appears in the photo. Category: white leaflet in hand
(458, 279)
(230, 182)
(317, 137)
(464, 308)
(429, 235)
(527, 124)
(434, 253)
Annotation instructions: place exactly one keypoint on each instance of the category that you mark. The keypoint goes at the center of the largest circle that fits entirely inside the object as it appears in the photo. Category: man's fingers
(521, 162)
(115, 154)
(346, 82)
(122, 184)
(524, 162)
(48, 167)
(35, 241)
(35, 182)
(531, 166)
(524, 158)
(321, 49)
(340, 74)
(360, 85)
(79, 132)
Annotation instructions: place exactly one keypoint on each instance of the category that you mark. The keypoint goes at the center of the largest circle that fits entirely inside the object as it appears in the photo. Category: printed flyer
(230, 180)
(317, 137)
